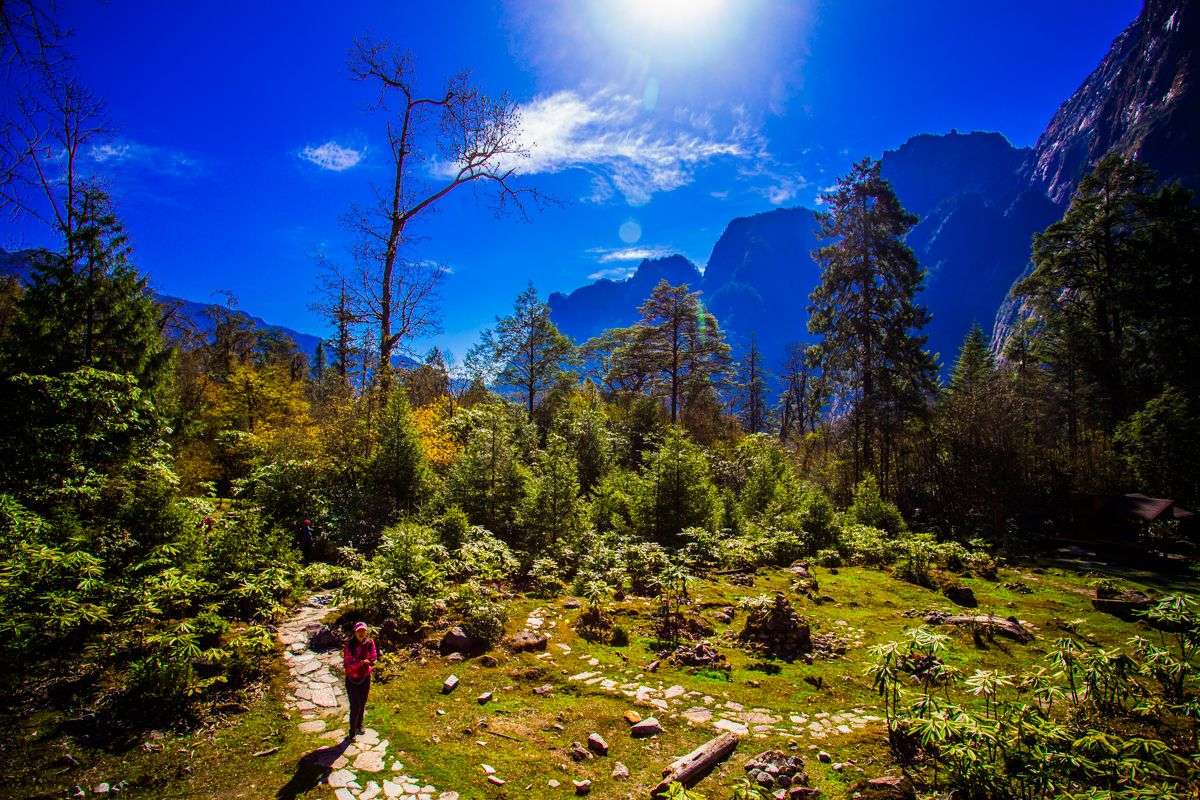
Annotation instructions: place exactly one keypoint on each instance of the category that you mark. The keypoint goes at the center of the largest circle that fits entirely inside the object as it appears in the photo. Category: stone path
(721, 714)
(359, 768)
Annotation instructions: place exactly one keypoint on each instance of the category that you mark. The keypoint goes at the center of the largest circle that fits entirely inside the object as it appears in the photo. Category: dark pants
(357, 692)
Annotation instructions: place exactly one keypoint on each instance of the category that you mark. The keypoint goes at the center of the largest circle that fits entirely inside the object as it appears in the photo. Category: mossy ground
(444, 739)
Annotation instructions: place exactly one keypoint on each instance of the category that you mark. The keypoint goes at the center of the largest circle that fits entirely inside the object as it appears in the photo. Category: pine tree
(975, 364)
(676, 343)
(552, 510)
(530, 349)
(677, 491)
(1109, 285)
(399, 470)
(803, 394)
(488, 481)
(865, 311)
(90, 308)
(752, 390)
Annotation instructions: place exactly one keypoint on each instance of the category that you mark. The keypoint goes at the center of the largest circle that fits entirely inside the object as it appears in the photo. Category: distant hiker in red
(359, 656)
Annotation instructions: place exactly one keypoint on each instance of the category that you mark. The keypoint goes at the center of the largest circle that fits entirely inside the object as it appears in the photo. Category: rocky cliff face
(1140, 101)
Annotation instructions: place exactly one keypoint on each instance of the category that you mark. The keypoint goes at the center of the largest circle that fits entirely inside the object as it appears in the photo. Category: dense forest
(166, 494)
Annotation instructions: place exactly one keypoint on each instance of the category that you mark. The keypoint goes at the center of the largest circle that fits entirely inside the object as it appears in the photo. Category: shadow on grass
(312, 769)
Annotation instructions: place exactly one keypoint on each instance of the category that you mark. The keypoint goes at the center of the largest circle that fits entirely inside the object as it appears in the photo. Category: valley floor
(424, 743)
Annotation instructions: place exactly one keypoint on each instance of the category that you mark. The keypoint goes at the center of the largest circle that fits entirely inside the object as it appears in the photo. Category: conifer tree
(552, 510)
(529, 348)
(865, 310)
(399, 470)
(90, 308)
(975, 364)
(677, 343)
(752, 391)
(677, 491)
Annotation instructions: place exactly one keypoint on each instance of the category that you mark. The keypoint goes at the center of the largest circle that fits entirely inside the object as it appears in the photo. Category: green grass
(526, 737)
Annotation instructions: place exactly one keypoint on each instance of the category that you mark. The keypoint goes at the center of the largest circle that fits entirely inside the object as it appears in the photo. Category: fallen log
(691, 769)
(1010, 626)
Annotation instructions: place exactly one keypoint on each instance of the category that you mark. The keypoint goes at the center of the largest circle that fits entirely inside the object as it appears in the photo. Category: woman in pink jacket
(359, 657)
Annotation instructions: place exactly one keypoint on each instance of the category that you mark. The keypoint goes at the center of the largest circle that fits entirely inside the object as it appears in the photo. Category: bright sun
(675, 16)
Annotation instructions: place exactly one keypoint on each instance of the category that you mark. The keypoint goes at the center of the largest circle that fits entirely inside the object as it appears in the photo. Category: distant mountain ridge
(979, 201)
(17, 264)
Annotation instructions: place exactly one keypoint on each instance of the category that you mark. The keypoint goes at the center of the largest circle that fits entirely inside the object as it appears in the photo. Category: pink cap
(360, 626)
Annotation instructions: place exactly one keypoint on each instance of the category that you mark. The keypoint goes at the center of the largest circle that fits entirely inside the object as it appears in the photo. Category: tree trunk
(690, 769)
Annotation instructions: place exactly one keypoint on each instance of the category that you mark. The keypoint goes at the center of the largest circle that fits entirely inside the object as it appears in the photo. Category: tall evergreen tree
(866, 313)
(677, 491)
(1110, 282)
(975, 364)
(677, 343)
(89, 307)
(752, 391)
(530, 349)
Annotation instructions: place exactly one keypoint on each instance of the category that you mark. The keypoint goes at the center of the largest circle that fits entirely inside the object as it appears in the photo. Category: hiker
(359, 656)
(306, 541)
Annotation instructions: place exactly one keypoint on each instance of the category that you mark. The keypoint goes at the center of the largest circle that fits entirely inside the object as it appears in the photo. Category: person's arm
(372, 654)
(348, 659)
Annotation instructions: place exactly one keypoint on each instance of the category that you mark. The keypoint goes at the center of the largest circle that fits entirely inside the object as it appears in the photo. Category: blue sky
(241, 140)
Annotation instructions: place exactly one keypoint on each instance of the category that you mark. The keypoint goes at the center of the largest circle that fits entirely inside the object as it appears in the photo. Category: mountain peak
(1141, 101)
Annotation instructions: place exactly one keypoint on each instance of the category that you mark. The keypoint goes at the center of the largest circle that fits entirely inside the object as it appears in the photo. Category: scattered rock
(456, 640)
(776, 629)
(544, 689)
(620, 772)
(450, 684)
(701, 654)
(488, 769)
(802, 793)
(488, 661)
(776, 769)
(553, 784)
(824, 757)
(495, 780)
(960, 594)
(578, 752)
(647, 727)
(597, 745)
(484, 698)
(526, 641)
(455, 658)
(632, 717)
(582, 787)
(572, 602)
(322, 637)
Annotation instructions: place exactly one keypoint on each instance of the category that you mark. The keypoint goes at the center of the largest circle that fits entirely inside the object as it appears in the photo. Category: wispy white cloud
(127, 154)
(613, 273)
(607, 256)
(609, 134)
(333, 156)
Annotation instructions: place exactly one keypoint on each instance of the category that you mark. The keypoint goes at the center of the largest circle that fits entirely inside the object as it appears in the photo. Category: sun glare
(673, 16)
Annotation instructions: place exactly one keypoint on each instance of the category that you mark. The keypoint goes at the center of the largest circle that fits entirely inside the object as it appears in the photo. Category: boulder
(620, 772)
(645, 728)
(777, 630)
(578, 752)
(456, 640)
(597, 745)
(526, 641)
(323, 637)
(632, 717)
(582, 786)
(960, 594)
(888, 787)
(450, 684)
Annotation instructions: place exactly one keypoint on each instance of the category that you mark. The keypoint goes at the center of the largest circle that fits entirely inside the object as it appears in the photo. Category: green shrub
(869, 509)
(644, 562)
(482, 615)
(866, 546)
(482, 556)
(403, 579)
(545, 579)
(618, 637)
(703, 549)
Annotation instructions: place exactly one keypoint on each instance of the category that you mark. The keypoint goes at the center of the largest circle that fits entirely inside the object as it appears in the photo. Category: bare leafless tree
(49, 116)
(461, 136)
